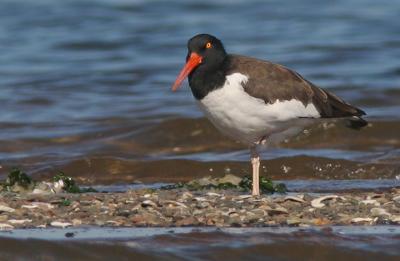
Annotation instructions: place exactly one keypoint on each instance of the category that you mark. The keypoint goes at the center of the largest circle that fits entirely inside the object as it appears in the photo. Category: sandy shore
(181, 207)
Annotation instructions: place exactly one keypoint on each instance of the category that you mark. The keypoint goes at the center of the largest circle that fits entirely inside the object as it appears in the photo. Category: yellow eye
(208, 45)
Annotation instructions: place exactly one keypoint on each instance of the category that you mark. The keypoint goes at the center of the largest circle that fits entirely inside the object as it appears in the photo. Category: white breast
(248, 119)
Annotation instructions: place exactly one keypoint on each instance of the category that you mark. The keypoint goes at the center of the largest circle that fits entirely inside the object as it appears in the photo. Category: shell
(317, 203)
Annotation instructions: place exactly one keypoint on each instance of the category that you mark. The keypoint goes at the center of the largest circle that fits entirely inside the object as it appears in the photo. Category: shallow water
(310, 186)
(346, 243)
(85, 86)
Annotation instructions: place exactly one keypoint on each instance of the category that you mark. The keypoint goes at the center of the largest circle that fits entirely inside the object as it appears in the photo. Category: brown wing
(272, 82)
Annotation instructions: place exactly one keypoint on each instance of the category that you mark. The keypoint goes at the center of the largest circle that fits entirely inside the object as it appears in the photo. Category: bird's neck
(204, 80)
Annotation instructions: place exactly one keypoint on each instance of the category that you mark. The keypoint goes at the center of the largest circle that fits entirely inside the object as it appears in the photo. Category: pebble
(60, 224)
(19, 221)
(212, 194)
(148, 203)
(29, 206)
(6, 209)
(187, 195)
(201, 199)
(379, 212)
(4, 226)
(76, 222)
(40, 191)
(317, 203)
(395, 218)
(293, 198)
(361, 220)
(42, 205)
(278, 211)
(371, 201)
(245, 196)
(293, 221)
(176, 203)
(41, 226)
(179, 207)
(187, 221)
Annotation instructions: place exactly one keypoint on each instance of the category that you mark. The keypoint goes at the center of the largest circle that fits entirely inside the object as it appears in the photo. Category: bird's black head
(209, 48)
(205, 53)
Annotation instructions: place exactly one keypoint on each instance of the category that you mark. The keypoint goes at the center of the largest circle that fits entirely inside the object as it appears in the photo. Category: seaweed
(18, 177)
(19, 181)
(266, 185)
(226, 185)
(65, 202)
(173, 186)
(88, 190)
(70, 185)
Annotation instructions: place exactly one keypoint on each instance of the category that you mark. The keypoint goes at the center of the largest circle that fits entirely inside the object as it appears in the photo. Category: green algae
(20, 182)
(267, 186)
(18, 177)
(69, 183)
(17, 181)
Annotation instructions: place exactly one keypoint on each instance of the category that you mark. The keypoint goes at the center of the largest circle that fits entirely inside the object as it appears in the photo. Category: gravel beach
(181, 207)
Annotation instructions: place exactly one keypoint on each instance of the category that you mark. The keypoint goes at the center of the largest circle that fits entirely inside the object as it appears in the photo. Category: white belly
(248, 119)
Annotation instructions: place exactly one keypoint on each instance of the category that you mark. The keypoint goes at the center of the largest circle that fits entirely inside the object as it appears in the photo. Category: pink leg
(255, 162)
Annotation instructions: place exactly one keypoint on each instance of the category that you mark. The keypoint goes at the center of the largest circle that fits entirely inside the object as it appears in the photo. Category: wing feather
(273, 82)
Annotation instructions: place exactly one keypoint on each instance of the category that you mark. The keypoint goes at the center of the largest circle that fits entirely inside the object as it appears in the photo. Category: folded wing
(273, 82)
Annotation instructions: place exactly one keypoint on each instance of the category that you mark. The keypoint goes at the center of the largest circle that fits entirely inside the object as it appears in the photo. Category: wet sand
(184, 149)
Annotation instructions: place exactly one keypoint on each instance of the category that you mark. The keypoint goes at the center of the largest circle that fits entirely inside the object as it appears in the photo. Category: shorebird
(255, 101)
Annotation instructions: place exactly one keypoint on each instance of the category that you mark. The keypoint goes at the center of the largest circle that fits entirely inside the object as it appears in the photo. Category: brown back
(271, 82)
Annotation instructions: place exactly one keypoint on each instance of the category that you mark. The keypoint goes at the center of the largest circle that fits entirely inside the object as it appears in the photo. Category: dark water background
(336, 243)
(85, 88)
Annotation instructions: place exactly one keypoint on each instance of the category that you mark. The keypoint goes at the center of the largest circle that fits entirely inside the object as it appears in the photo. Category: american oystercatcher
(255, 101)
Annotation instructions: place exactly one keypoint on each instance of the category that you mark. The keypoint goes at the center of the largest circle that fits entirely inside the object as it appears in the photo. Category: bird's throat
(204, 80)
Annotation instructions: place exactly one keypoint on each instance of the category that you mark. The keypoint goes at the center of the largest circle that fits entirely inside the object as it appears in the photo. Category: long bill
(193, 61)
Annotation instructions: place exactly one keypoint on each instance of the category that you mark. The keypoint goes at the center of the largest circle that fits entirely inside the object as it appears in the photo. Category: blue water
(81, 78)
(85, 88)
(335, 243)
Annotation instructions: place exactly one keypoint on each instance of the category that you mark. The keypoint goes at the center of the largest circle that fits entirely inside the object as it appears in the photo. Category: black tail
(331, 106)
(356, 123)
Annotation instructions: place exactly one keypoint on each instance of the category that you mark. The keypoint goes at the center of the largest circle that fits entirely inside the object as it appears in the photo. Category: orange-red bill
(193, 61)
